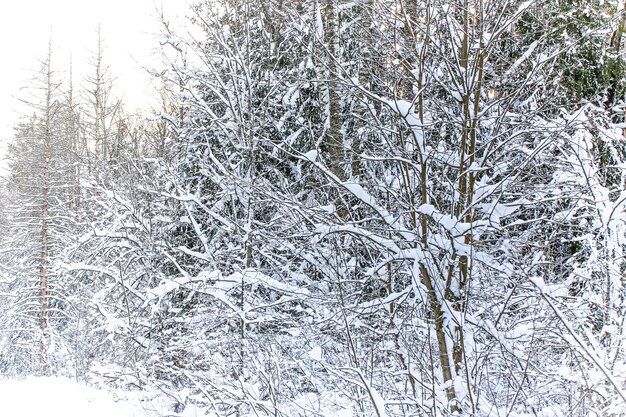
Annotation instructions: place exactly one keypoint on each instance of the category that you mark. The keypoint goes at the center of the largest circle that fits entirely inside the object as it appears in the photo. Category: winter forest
(340, 208)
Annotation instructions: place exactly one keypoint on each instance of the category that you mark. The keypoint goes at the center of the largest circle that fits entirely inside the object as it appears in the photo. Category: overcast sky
(128, 30)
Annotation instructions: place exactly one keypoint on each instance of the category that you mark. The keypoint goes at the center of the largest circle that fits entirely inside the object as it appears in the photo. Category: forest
(338, 208)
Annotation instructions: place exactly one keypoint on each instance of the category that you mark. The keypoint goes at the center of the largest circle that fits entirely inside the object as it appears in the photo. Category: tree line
(370, 207)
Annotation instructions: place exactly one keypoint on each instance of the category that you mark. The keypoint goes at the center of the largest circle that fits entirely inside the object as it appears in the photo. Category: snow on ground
(61, 397)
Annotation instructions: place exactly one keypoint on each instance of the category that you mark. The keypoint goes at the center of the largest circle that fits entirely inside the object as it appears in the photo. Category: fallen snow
(316, 353)
(61, 397)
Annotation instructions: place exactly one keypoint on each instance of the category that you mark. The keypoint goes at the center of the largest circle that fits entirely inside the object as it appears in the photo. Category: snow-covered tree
(40, 220)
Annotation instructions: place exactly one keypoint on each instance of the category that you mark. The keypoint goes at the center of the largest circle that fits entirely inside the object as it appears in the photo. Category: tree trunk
(334, 137)
(45, 238)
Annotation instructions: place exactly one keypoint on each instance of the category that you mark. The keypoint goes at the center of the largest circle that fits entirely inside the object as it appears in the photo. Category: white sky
(128, 31)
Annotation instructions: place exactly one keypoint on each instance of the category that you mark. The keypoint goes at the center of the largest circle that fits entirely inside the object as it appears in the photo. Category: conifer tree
(40, 227)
